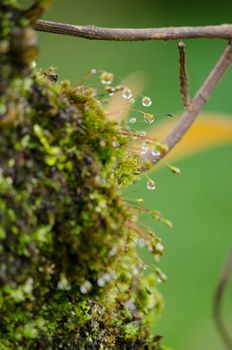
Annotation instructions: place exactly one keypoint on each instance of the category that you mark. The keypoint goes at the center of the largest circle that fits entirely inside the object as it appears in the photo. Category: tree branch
(183, 76)
(223, 31)
(200, 99)
(223, 280)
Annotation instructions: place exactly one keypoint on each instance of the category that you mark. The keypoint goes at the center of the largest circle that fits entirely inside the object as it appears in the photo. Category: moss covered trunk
(70, 277)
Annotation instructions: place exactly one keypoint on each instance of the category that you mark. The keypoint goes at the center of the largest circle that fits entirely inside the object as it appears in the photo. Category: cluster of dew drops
(106, 79)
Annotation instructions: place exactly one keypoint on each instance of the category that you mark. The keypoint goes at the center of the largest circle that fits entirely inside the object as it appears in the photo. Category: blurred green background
(198, 201)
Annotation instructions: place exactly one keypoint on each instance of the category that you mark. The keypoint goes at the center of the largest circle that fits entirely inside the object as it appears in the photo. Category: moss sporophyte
(70, 276)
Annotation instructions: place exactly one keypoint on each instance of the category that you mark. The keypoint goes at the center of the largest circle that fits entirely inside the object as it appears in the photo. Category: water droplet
(155, 152)
(143, 152)
(28, 286)
(33, 64)
(132, 120)
(110, 90)
(63, 283)
(145, 267)
(101, 282)
(145, 147)
(97, 180)
(142, 133)
(149, 118)
(158, 279)
(140, 243)
(115, 144)
(91, 92)
(86, 287)
(93, 71)
(127, 93)
(146, 101)
(151, 184)
(130, 305)
(106, 78)
(106, 277)
(159, 247)
(113, 251)
(135, 270)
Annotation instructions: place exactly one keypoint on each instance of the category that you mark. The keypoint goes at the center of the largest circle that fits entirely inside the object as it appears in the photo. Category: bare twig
(222, 283)
(37, 10)
(184, 86)
(200, 99)
(223, 31)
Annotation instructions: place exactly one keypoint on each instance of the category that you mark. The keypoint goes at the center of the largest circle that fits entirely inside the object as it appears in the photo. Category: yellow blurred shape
(209, 130)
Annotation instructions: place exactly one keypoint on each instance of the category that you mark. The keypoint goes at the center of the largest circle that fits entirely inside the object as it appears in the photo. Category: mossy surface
(70, 277)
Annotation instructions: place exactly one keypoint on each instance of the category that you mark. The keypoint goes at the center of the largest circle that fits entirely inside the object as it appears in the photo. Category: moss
(70, 276)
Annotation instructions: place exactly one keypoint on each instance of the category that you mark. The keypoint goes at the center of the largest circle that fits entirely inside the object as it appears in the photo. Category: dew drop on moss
(149, 118)
(110, 90)
(135, 270)
(144, 147)
(151, 185)
(140, 243)
(101, 282)
(132, 120)
(115, 144)
(155, 152)
(146, 101)
(127, 93)
(33, 64)
(159, 247)
(142, 133)
(106, 78)
(113, 251)
(86, 287)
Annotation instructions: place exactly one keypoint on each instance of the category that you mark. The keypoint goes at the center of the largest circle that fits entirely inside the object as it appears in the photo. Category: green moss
(70, 274)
